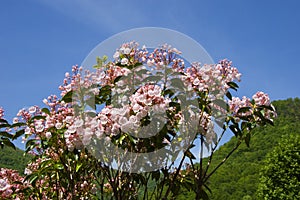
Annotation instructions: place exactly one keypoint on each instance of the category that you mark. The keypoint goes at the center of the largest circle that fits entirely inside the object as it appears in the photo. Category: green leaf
(78, 166)
(137, 64)
(153, 79)
(169, 93)
(91, 102)
(247, 139)
(155, 175)
(3, 121)
(233, 85)
(33, 179)
(18, 134)
(8, 143)
(235, 129)
(120, 140)
(68, 97)
(244, 109)
(4, 125)
(18, 124)
(100, 62)
(38, 117)
(59, 166)
(177, 83)
(46, 110)
(117, 79)
(30, 144)
(228, 95)
(5, 134)
(190, 155)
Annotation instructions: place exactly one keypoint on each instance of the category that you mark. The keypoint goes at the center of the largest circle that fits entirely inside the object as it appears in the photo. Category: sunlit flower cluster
(250, 106)
(212, 78)
(236, 104)
(261, 98)
(121, 98)
(164, 56)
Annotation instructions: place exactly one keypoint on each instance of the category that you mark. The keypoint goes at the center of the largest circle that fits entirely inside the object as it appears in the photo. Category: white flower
(150, 62)
(124, 61)
(72, 129)
(39, 128)
(58, 125)
(205, 77)
(32, 109)
(136, 107)
(103, 119)
(107, 139)
(116, 55)
(3, 185)
(45, 101)
(123, 120)
(69, 119)
(48, 135)
(133, 119)
(27, 171)
(196, 81)
(127, 127)
(78, 123)
(99, 133)
(15, 120)
(127, 51)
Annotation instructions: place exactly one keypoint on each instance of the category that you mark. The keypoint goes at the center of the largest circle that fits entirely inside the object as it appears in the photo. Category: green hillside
(238, 178)
(13, 159)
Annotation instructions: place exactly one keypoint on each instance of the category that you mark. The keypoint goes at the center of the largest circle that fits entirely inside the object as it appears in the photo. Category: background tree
(280, 177)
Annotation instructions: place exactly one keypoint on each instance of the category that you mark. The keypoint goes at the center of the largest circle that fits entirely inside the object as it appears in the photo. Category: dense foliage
(280, 177)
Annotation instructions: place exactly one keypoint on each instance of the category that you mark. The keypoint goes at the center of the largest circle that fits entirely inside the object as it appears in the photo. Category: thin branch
(212, 153)
(223, 161)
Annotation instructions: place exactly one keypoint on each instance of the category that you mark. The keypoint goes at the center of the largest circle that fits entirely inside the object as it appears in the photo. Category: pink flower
(78, 123)
(39, 128)
(58, 125)
(32, 109)
(15, 120)
(126, 51)
(4, 185)
(124, 61)
(48, 135)
(116, 55)
(236, 103)
(261, 98)
(1, 113)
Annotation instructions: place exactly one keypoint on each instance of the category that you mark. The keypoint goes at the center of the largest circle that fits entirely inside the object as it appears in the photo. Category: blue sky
(41, 39)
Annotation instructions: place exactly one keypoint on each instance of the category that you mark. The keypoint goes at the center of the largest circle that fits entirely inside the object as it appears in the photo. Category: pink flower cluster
(259, 99)
(146, 100)
(236, 104)
(164, 56)
(111, 121)
(1, 113)
(8, 187)
(212, 78)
